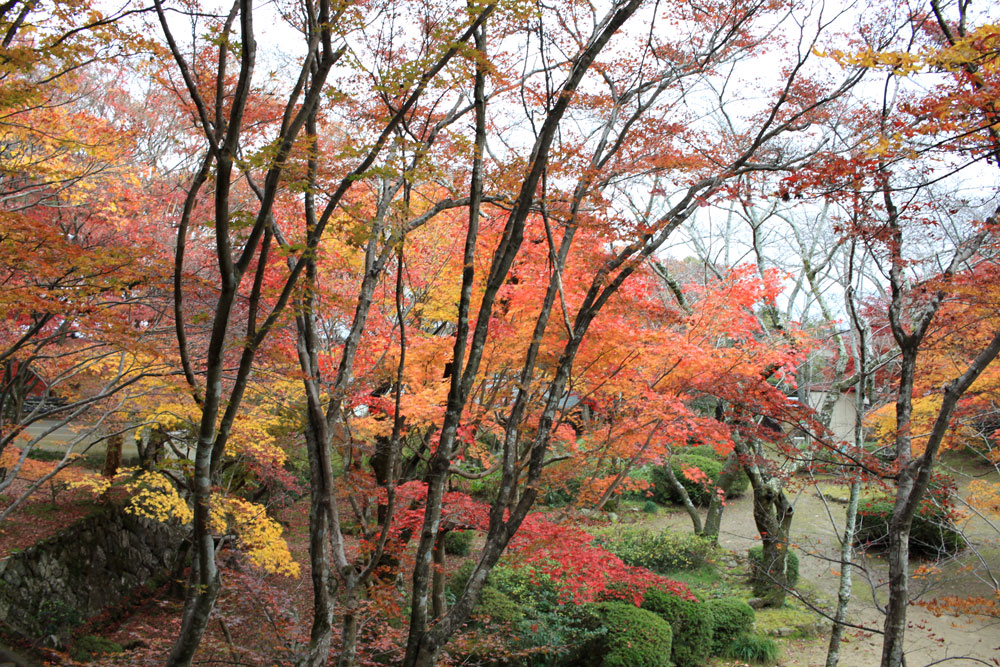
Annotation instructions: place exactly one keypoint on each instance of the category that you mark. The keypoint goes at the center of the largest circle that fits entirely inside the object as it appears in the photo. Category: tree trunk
(150, 446)
(899, 575)
(319, 561)
(204, 582)
(439, 603)
(349, 627)
(113, 455)
(679, 489)
(731, 471)
(846, 563)
(772, 514)
(850, 523)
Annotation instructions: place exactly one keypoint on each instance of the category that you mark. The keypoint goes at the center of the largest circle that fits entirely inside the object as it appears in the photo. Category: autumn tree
(78, 329)
(222, 105)
(642, 97)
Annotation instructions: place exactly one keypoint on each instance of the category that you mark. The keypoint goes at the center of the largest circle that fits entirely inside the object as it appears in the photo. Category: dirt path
(964, 640)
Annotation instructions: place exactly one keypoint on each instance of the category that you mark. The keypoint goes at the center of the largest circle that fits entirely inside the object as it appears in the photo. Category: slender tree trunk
(850, 523)
(731, 471)
(679, 489)
(439, 603)
(846, 563)
(204, 582)
(899, 575)
(350, 625)
(899, 521)
(319, 560)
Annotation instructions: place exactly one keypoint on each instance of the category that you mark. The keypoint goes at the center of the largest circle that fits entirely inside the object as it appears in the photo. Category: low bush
(560, 495)
(731, 617)
(660, 551)
(458, 542)
(758, 574)
(485, 488)
(753, 648)
(525, 586)
(691, 623)
(458, 578)
(624, 636)
(541, 630)
(933, 532)
(522, 585)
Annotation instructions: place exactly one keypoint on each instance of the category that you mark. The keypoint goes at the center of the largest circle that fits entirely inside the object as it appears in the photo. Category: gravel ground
(962, 640)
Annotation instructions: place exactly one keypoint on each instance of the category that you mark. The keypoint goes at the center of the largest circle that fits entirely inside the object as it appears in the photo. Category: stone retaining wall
(86, 568)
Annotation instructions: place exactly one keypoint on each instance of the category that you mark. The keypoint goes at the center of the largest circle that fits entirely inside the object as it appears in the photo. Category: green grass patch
(41, 510)
(790, 620)
(90, 647)
(837, 493)
(39, 454)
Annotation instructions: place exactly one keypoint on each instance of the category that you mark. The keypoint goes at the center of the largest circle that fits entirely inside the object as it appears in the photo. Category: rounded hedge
(707, 451)
(731, 617)
(662, 551)
(664, 492)
(758, 575)
(742, 483)
(631, 637)
(933, 531)
(458, 542)
(691, 623)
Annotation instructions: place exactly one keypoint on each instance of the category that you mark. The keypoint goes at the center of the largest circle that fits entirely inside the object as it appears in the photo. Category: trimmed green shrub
(731, 617)
(628, 637)
(758, 576)
(711, 465)
(560, 495)
(458, 542)
(706, 451)
(753, 648)
(691, 623)
(649, 507)
(660, 551)
(525, 588)
(739, 486)
(933, 531)
(497, 606)
(663, 490)
(540, 629)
